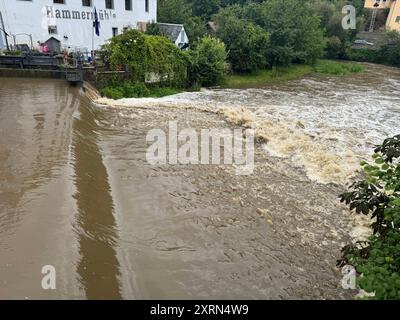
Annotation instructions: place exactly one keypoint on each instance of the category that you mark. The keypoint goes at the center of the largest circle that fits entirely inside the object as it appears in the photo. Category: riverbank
(263, 77)
(294, 71)
(244, 80)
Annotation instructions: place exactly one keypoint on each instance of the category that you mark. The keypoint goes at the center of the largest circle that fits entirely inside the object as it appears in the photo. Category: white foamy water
(325, 124)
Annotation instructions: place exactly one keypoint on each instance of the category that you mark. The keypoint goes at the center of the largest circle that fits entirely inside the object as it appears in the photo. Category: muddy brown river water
(77, 193)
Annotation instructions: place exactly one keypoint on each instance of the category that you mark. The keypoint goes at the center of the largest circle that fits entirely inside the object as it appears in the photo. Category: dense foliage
(390, 52)
(265, 33)
(146, 56)
(378, 196)
(181, 11)
(255, 35)
(339, 40)
(151, 62)
(208, 62)
(247, 43)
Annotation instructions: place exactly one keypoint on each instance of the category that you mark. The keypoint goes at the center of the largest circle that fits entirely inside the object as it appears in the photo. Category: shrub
(388, 54)
(364, 55)
(208, 62)
(153, 29)
(136, 90)
(337, 68)
(113, 93)
(334, 48)
(378, 260)
(141, 55)
(166, 60)
(379, 266)
(162, 91)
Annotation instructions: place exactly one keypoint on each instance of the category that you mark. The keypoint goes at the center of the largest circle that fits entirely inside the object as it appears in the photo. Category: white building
(176, 33)
(71, 21)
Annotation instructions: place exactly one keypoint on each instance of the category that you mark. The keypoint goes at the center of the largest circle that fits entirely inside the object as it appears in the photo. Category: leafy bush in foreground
(378, 260)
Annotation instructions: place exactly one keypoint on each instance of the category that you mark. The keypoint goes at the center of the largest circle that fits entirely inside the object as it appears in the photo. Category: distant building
(176, 33)
(53, 45)
(211, 27)
(393, 19)
(71, 21)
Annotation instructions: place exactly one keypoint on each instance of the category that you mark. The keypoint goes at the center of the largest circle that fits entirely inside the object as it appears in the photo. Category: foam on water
(326, 125)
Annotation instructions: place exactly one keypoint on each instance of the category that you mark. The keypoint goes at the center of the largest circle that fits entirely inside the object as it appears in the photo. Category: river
(77, 193)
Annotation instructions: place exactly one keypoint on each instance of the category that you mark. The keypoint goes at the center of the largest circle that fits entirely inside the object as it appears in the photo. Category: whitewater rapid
(324, 124)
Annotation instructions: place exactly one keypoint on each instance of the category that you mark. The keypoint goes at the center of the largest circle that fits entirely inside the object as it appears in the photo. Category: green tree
(208, 62)
(205, 8)
(181, 12)
(247, 43)
(390, 52)
(196, 29)
(154, 29)
(173, 11)
(295, 31)
(339, 40)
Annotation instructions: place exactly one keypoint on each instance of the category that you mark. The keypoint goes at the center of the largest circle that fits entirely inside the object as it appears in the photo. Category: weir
(41, 67)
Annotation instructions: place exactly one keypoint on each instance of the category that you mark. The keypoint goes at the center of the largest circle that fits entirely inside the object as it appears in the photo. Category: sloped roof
(52, 39)
(171, 30)
(212, 26)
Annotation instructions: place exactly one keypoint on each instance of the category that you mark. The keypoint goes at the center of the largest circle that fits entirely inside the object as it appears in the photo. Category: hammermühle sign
(78, 14)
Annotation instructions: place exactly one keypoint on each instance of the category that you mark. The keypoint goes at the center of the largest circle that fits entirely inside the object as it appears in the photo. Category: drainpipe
(4, 31)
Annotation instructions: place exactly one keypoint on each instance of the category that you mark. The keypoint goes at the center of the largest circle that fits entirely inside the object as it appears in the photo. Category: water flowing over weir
(326, 124)
(98, 266)
(77, 193)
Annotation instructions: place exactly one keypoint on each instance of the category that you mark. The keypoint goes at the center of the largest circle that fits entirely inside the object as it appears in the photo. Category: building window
(146, 5)
(398, 19)
(114, 32)
(128, 5)
(59, 1)
(86, 3)
(109, 4)
(52, 29)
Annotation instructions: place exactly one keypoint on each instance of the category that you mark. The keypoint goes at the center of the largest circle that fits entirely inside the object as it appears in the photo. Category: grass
(137, 90)
(277, 74)
(263, 77)
(337, 68)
